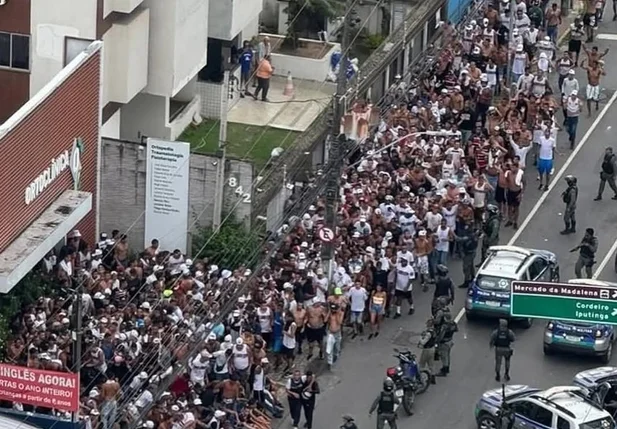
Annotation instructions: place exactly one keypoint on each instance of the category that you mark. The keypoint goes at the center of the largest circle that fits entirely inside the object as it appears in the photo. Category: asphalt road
(354, 382)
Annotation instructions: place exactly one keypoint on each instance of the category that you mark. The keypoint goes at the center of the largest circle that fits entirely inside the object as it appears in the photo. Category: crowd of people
(450, 159)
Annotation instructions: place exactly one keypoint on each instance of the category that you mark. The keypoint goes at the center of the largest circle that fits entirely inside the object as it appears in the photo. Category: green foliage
(305, 14)
(228, 248)
(373, 41)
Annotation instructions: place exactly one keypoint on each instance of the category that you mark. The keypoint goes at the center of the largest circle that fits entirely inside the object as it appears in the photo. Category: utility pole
(221, 154)
(78, 323)
(336, 140)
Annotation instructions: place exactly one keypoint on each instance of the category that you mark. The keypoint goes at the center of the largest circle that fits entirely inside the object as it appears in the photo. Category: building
(153, 53)
(49, 169)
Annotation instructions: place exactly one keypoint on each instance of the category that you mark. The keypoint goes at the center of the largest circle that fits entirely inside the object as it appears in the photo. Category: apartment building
(153, 52)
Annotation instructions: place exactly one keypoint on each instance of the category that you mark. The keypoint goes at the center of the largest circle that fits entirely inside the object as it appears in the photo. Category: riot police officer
(467, 240)
(587, 253)
(444, 342)
(386, 403)
(569, 197)
(490, 230)
(444, 287)
(427, 343)
(502, 339)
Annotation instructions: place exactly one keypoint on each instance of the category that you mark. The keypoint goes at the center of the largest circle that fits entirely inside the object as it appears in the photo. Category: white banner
(167, 194)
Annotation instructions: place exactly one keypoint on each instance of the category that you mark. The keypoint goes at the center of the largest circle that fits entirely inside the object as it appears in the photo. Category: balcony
(230, 17)
(178, 44)
(126, 64)
(121, 6)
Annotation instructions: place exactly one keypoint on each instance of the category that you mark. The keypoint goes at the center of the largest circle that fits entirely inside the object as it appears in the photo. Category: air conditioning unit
(3, 2)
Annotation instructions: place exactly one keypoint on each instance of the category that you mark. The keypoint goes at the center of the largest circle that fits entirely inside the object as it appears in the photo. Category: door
(529, 415)
(538, 270)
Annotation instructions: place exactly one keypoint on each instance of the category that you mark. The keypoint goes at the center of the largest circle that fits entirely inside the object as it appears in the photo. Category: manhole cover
(406, 338)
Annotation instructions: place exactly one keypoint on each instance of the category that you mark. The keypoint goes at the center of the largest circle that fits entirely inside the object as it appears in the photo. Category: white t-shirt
(546, 147)
(358, 297)
(404, 275)
(433, 220)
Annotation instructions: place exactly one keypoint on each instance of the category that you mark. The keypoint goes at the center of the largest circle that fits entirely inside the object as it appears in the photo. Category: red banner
(50, 389)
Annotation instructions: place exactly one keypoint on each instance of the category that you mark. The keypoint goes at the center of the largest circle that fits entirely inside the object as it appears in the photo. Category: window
(535, 413)
(562, 423)
(15, 51)
(536, 268)
(524, 409)
(74, 47)
(543, 417)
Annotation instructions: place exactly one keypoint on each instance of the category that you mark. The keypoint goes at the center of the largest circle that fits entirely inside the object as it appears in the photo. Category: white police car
(489, 293)
(561, 407)
(596, 339)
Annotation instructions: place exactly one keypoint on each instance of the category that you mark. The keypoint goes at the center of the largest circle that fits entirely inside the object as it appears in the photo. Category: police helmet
(492, 209)
(442, 270)
(388, 384)
(444, 301)
(570, 179)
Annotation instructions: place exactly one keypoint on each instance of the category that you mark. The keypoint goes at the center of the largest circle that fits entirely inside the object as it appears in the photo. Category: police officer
(608, 173)
(444, 342)
(386, 403)
(468, 243)
(427, 343)
(569, 197)
(444, 287)
(490, 230)
(348, 422)
(441, 310)
(502, 338)
(587, 253)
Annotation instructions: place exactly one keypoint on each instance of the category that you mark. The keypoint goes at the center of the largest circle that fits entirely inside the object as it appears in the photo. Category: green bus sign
(564, 301)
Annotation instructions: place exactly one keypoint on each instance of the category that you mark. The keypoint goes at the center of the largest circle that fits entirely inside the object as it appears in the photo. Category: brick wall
(123, 189)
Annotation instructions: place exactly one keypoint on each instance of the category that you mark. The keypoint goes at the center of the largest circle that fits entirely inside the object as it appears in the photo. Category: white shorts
(593, 92)
(422, 263)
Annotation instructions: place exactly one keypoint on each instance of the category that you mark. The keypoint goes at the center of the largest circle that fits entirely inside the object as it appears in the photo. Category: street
(355, 381)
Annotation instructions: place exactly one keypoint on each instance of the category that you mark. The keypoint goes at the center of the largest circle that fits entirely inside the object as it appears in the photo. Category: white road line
(605, 261)
(554, 183)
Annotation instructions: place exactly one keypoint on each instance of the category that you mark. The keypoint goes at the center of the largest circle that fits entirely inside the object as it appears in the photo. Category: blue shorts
(545, 166)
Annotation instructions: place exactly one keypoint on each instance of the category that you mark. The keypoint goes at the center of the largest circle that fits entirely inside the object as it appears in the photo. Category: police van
(594, 339)
(488, 294)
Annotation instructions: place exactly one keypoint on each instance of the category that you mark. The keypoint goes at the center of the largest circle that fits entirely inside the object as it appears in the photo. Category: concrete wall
(227, 18)
(123, 193)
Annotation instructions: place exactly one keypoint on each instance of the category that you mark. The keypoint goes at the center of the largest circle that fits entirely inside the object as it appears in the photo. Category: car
(489, 293)
(559, 407)
(590, 378)
(594, 339)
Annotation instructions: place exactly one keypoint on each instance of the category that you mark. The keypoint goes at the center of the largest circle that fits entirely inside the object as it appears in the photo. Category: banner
(167, 193)
(50, 389)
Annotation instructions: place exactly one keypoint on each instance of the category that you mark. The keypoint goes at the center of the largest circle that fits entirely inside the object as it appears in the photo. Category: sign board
(564, 301)
(167, 193)
(326, 235)
(40, 388)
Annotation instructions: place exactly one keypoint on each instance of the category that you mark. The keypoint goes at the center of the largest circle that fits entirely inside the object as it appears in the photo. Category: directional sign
(326, 235)
(564, 301)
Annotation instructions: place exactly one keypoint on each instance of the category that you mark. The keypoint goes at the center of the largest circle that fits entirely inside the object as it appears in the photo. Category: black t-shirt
(468, 119)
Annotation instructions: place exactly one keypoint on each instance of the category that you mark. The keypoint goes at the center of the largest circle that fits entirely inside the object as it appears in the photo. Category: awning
(41, 236)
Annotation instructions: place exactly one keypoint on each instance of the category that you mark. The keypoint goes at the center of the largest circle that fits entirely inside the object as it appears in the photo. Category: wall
(211, 94)
(144, 115)
(14, 85)
(46, 127)
(51, 21)
(123, 193)
(111, 128)
(228, 18)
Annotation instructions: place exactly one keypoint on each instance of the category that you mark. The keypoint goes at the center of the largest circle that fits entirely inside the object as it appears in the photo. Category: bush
(228, 248)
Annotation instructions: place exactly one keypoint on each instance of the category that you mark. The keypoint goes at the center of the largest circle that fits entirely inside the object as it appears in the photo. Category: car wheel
(470, 316)
(486, 421)
(526, 323)
(547, 350)
(606, 358)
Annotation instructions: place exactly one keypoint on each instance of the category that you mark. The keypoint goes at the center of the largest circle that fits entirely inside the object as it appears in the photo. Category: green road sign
(565, 301)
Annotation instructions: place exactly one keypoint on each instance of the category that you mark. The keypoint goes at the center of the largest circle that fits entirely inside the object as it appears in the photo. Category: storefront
(49, 151)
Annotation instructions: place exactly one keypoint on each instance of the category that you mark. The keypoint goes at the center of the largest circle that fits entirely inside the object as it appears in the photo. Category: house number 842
(238, 190)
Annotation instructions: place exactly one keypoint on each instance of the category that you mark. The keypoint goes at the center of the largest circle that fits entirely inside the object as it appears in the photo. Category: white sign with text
(167, 193)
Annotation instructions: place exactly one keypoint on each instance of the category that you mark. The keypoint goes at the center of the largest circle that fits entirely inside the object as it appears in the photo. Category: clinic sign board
(40, 388)
(564, 301)
(167, 193)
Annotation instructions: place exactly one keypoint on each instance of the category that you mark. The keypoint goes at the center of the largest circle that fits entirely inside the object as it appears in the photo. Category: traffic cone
(289, 86)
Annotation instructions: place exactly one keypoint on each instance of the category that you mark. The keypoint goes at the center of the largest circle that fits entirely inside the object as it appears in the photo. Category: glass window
(543, 417)
(5, 49)
(20, 53)
(562, 423)
(536, 268)
(524, 409)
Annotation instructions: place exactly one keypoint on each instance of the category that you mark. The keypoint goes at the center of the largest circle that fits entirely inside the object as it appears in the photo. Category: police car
(561, 407)
(489, 293)
(596, 339)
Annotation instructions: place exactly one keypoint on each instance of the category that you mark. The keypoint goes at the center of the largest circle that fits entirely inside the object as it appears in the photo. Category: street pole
(221, 154)
(78, 314)
(511, 38)
(335, 160)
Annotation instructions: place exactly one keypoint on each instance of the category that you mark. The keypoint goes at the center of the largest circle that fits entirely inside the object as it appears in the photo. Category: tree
(310, 16)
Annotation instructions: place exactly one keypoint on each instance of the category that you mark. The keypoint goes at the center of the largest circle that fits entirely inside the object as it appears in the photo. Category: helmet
(492, 209)
(444, 300)
(570, 179)
(388, 384)
(442, 270)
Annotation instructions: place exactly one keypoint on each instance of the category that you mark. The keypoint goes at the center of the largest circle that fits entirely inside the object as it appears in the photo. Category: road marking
(554, 183)
(606, 36)
(605, 261)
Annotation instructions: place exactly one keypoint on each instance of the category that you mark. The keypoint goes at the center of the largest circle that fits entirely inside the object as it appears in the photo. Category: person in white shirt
(199, 367)
(362, 226)
(520, 151)
(433, 218)
(545, 157)
(357, 296)
(404, 276)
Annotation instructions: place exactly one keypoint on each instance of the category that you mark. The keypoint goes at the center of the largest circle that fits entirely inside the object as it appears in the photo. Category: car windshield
(493, 283)
(604, 423)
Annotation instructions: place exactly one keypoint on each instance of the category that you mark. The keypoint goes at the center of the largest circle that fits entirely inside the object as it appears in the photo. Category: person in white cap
(574, 107)
(217, 420)
(199, 368)
(242, 359)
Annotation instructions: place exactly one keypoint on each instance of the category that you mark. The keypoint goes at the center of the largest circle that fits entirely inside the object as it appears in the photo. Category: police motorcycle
(408, 379)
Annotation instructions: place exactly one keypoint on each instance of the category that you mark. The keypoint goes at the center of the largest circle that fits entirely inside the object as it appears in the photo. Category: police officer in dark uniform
(386, 403)
(502, 339)
(490, 230)
(444, 287)
(444, 342)
(587, 253)
(467, 240)
(569, 197)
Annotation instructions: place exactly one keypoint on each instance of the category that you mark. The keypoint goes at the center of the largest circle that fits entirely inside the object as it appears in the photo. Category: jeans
(335, 339)
(604, 178)
(571, 125)
(551, 31)
(442, 257)
(109, 411)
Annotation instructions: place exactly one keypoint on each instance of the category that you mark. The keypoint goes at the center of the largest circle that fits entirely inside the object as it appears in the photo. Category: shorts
(587, 18)
(315, 335)
(545, 166)
(500, 194)
(356, 317)
(593, 92)
(423, 264)
(287, 352)
(512, 197)
(377, 309)
(574, 46)
(403, 294)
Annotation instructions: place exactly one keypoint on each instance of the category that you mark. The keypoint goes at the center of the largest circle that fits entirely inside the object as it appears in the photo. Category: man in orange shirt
(264, 73)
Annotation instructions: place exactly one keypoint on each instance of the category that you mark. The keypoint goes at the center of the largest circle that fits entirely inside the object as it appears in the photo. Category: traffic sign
(326, 235)
(564, 301)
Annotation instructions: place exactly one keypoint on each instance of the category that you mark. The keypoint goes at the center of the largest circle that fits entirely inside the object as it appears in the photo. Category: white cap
(239, 341)
(287, 285)
(145, 305)
(219, 414)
